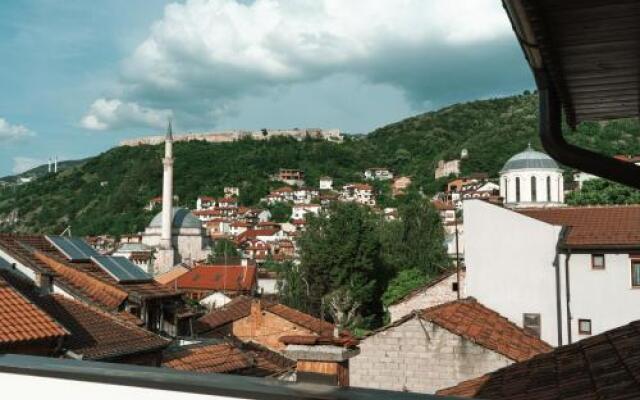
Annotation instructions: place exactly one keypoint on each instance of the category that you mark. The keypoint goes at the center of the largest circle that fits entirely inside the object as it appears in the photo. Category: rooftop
(604, 366)
(219, 277)
(530, 159)
(182, 218)
(605, 226)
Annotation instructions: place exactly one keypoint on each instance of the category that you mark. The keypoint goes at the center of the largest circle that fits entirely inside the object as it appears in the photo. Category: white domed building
(531, 179)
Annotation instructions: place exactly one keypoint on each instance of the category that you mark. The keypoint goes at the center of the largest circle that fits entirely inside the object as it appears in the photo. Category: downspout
(568, 293)
(556, 265)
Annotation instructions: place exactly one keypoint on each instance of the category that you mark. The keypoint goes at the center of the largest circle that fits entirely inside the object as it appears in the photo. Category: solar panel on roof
(121, 269)
(73, 248)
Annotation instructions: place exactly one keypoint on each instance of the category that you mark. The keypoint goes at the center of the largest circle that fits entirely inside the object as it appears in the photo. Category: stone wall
(439, 293)
(419, 358)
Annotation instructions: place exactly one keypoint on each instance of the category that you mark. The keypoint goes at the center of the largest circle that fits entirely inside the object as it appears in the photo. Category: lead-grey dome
(182, 218)
(530, 159)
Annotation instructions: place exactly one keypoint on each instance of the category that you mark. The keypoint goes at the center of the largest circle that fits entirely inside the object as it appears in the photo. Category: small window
(531, 323)
(517, 190)
(597, 261)
(584, 326)
(454, 286)
(534, 189)
(635, 273)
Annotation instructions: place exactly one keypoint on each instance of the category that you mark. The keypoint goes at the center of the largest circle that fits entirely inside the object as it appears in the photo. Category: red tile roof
(92, 333)
(346, 341)
(480, 325)
(215, 358)
(240, 307)
(608, 226)
(219, 277)
(604, 366)
(23, 321)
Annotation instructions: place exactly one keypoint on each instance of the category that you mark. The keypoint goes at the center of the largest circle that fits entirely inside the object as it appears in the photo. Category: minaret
(166, 254)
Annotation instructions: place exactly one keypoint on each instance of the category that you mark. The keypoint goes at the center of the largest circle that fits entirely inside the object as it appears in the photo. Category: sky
(79, 76)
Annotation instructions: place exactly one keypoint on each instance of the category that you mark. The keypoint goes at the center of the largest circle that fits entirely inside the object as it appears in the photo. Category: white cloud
(13, 132)
(22, 164)
(205, 54)
(113, 114)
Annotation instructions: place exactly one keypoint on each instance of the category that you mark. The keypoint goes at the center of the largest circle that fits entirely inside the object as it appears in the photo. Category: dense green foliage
(600, 191)
(280, 212)
(356, 253)
(107, 194)
(403, 283)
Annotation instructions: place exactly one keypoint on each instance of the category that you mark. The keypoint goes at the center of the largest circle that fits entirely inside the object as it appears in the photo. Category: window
(635, 273)
(534, 190)
(454, 286)
(531, 323)
(548, 188)
(506, 188)
(517, 189)
(597, 261)
(584, 326)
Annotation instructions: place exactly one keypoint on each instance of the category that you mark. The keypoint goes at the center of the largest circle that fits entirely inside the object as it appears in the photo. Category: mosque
(175, 234)
(531, 179)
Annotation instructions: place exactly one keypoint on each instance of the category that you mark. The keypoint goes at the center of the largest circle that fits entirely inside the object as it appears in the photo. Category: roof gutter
(550, 109)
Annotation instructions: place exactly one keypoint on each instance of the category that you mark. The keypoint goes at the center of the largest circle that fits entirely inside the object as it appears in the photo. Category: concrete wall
(406, 358)
(439, 293)
(606, 296)
(510, 264)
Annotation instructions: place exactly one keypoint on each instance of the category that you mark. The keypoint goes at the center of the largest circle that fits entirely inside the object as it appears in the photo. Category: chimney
(256, 317)
(244, 262)
(321, 359)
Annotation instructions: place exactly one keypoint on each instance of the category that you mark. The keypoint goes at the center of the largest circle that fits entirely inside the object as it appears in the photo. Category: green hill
(107, 193)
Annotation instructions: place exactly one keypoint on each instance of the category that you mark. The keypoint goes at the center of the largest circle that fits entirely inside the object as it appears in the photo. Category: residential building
(326, 183)
(531, 179)
(381, 174)
(205, 202)
(299, 211)
(437, 347)
(231, 191)
(292, 177)
(449, 286)
(138, 253)
(400, 185)
(205, 279)
(447, 168)
(40, 323)
(88, 281)
(360, 193)
(567, 273)
(604, 365)
(581, 177)
(254, 320)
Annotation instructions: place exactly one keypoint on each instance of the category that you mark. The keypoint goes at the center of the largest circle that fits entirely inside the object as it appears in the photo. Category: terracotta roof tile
(171, 275)
(594, 226)
(92, 333)
(240, 307)
(605, 366)
(485, 327)
(23, 321)
(216, 358)
(219, 277)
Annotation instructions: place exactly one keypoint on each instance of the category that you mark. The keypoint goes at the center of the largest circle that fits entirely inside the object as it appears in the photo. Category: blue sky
(78, 76)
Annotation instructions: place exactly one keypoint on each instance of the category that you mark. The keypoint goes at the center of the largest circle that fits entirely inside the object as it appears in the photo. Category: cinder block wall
(408, 358)
(439, 293)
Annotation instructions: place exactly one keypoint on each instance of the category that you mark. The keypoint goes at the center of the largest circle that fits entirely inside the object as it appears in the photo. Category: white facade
(514, 267)
(381, 174)
(581, 177)
(299, 211)
(326, 183)
(531, 179)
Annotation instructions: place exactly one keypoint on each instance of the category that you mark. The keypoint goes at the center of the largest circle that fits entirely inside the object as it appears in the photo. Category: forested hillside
(106, 194)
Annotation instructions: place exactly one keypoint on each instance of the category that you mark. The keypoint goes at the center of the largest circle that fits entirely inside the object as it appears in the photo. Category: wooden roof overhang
(585, 57)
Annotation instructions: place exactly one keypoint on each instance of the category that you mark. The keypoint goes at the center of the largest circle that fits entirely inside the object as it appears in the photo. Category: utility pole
(455, 223)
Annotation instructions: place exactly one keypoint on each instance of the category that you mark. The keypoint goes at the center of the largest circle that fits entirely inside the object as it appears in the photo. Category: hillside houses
(361, 193)
(378, 173)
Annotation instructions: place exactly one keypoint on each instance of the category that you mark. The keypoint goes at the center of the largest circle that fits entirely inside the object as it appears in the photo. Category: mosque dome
(182, 218)
(530, 159)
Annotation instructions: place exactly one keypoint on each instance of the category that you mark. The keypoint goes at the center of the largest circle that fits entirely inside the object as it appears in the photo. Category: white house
(566, 273)
(531, 179)
(326, 183)
(299, 211)
(381, 174)
(581, 177)
(231, 191)
(361, 193)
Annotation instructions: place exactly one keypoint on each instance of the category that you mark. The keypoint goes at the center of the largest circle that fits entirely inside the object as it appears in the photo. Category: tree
(403, 283)
(224, 248)
(416, 239)
(342, 307)
(280, 212)
(600, 191)
(342, 251)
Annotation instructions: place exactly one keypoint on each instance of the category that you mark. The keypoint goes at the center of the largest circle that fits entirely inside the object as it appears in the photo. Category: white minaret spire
(167, 192)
